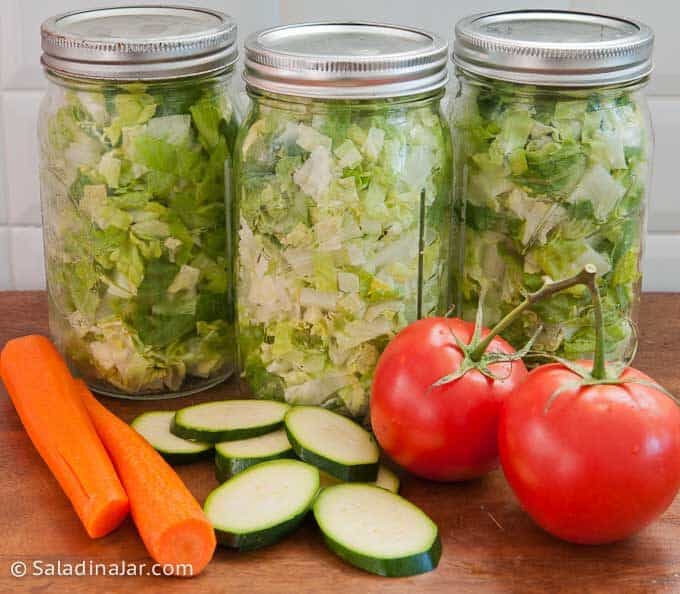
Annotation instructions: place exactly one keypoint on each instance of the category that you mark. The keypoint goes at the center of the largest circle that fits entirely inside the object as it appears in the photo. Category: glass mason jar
(342, 206)
(135, 145)
(552, 160)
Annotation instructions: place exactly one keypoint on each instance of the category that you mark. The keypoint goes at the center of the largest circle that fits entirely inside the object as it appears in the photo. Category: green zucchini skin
(402, 567)
(223, 435)
(257, 535)
(179, 459)
(389, 475)
(345, 516)
(365, 473)
(262, 538)
(226, 467)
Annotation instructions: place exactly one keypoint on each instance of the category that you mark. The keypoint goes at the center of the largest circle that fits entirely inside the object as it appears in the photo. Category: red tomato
(600, 464)
(443, 433)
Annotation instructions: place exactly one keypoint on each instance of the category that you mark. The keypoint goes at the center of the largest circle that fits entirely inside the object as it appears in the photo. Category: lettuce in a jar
(343, 232)
(135, 233)
(547, 181)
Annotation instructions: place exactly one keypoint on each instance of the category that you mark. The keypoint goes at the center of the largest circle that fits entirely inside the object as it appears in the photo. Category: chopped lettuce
(550, 181)
(330, 198)
(135, 227)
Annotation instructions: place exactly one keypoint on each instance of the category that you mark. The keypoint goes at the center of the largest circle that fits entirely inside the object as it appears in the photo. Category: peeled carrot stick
(49, 406)
(169, 519)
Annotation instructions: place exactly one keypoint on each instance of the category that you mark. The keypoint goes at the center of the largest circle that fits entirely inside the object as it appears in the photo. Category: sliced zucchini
(154, 426)
(333, 443)
(262, 504)
(232, 457)
(377, 531)
(327, 480)
(387, 479)
(228, 420)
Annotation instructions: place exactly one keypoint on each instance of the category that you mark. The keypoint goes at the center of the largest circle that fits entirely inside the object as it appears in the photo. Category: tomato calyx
(586, 379)
(476, 354)
(471, 360)
(601, 373)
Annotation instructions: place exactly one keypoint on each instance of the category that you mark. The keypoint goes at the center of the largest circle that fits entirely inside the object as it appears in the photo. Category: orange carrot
(49, 406)
(168, 517)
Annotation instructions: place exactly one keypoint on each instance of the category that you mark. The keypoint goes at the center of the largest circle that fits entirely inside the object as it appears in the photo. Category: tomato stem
(587, 277)
(599, 371)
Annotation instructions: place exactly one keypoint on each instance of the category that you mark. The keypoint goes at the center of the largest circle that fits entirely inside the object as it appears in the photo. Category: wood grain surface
(490, 545)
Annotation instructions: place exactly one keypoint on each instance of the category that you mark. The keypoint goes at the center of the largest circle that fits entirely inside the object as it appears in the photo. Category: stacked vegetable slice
(155, 428)
(376, 530)
(333, 443)
(232, 457)
(266, 493)
(262, 504)
(228, 420)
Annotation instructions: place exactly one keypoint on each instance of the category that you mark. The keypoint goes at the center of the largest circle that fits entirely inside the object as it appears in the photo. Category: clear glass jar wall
(133, 198)
(547, 180)
(343, 218)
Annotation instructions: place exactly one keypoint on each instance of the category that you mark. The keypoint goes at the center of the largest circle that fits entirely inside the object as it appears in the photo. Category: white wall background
(22, 84)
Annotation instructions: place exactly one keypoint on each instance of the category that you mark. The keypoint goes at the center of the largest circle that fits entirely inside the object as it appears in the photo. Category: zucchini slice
(377, 531)
(387, 479)
(228, 420)
(333, 443)
(154, 426)
(232, 457)
(262, 504)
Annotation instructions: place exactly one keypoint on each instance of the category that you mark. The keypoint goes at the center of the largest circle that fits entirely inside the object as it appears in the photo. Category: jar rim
(142, 42)
(555, 48)
(345, 60)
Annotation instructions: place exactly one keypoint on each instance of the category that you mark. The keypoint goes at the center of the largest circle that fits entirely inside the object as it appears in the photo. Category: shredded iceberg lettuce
(329, 230)
(547, 182)
(135, 232)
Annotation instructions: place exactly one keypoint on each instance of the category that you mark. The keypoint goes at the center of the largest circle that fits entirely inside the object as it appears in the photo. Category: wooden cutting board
(489, 544)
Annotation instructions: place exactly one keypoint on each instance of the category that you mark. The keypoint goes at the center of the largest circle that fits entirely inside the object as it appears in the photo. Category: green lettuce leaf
(550, 181)
(137, 242)
(328, 268)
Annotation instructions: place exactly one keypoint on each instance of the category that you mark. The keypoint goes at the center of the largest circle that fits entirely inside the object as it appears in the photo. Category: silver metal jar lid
(139, 42)
(332, 60)
(554, 48)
